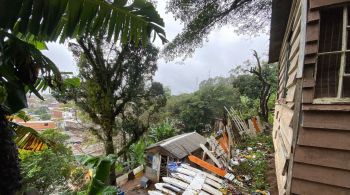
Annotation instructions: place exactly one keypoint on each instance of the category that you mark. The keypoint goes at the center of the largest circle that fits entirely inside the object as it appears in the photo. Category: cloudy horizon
(221, 53)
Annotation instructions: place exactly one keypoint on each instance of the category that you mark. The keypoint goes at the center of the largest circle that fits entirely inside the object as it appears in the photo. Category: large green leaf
(101, 166)
(24, 68)
(46, 18)
(27, 138)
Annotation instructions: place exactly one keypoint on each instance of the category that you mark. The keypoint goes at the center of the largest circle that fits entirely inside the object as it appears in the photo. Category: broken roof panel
(178, 146)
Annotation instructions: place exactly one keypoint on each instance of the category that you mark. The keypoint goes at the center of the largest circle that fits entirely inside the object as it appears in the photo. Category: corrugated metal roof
(181, 145)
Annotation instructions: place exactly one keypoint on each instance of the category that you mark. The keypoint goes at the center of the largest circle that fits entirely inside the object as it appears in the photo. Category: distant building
(56, 114)
(39, 125)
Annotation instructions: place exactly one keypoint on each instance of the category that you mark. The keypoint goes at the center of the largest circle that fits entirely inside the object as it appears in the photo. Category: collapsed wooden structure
(309, 39)
(171, 150)
(176, 174)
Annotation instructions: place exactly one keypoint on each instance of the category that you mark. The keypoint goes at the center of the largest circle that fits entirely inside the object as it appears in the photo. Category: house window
(333, 61)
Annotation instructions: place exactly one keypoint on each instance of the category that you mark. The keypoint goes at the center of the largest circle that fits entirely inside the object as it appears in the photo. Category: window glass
(327, 75)
(329, 56)
(331, 30)
(346, 87)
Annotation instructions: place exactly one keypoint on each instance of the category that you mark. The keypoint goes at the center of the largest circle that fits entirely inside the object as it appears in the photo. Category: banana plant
(26, 24)
(101, 167)
(52, 19)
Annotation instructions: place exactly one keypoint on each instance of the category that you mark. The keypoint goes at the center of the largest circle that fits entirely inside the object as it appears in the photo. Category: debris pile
(232, 161)
(185, 179)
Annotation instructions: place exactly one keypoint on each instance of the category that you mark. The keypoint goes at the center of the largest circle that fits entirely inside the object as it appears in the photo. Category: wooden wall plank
(291, 78)
(293, 63)
(323, 175)
(327, 107)
(308, 95)
(311, 48)
(313, 16)
(280, 160)
(327, 120)
(309, 71)
(335, 139)
(295, 47)
(323, 157)
(310, 59)
(307, 83)
(306, 187)
(312, 32)
(285, 123)
(321, 3)
(290, 94)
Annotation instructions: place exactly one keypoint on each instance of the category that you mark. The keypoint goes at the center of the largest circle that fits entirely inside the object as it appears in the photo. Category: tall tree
(264, 83)
(25, 23)
(200, 17)
(113, 78)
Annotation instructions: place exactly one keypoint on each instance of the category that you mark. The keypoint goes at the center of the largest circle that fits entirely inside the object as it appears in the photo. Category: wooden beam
(211, 156)
(207, 166)
(303, 19)
(295, 125)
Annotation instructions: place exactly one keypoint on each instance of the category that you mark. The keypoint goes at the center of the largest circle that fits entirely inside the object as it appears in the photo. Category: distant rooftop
(39, 125)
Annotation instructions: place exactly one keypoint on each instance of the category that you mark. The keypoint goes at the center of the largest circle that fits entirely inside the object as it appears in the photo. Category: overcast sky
(217, 57)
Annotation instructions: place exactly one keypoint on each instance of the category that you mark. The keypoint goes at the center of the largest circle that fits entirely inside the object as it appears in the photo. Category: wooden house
(171, 150)
(309, 40)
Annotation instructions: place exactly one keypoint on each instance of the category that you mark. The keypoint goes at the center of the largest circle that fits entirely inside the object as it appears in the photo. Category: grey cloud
(217, 57)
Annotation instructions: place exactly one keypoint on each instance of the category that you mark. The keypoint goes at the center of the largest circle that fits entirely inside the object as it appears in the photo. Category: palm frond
(24, 68)
(50, 20)
(27, 138)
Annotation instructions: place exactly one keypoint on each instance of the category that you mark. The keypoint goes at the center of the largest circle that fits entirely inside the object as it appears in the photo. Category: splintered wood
(239, 124)
(218, 152)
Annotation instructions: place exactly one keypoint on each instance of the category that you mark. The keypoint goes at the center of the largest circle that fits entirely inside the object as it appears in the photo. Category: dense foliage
(241, 91)
(157, 132)
(25, 23)
(115, 83)
(52, 169)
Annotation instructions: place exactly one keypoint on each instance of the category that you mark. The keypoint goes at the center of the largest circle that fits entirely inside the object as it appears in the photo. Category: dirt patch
(133, 187)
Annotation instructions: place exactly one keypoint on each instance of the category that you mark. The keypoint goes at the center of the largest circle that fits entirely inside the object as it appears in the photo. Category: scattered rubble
(225, 165)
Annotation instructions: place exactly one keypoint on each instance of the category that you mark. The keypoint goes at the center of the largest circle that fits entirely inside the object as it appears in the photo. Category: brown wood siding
(324, 138)
(325, 175)
(322, 152)
(321, 3)
(322, 157)
(306, 187)
(327, 120)
(284, 109)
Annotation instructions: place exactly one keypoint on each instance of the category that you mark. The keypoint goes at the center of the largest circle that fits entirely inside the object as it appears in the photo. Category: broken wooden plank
(160, 186)
(211, 156)
(212, 177)
(207, 166)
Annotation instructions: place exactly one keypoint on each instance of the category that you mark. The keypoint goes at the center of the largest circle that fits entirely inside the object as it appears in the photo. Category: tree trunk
(109, 149)
(264, 99)
(9, 162)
